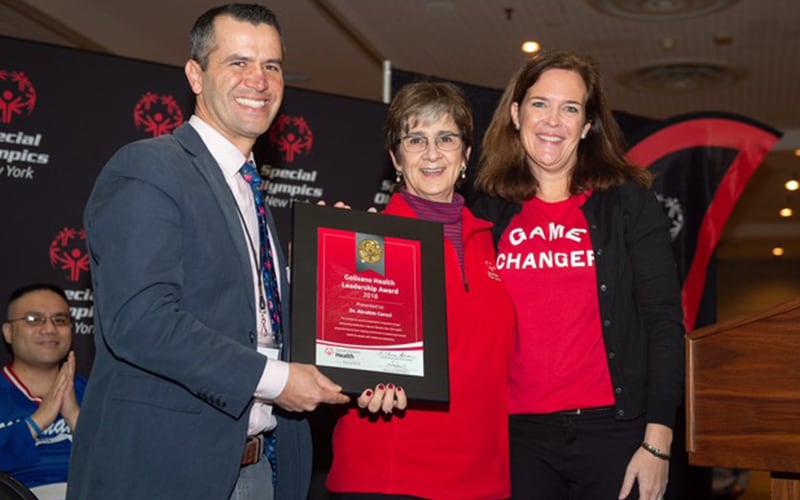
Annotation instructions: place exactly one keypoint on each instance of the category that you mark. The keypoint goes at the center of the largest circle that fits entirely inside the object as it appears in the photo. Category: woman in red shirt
(583, 247)
(458, 451)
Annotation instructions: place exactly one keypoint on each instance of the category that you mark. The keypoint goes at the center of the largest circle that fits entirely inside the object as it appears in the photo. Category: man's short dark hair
(34, 287)
(202, 39)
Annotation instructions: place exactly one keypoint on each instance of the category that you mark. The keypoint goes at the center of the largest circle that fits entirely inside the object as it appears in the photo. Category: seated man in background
(39, 393)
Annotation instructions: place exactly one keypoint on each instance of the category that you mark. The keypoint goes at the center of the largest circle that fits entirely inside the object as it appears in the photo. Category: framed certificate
(368, 300)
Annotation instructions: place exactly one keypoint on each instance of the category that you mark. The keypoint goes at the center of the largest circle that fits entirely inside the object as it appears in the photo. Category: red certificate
(369, 300)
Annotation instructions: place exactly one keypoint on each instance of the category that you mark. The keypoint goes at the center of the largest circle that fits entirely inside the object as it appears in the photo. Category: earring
(398, 176)
(583, 135)
(516, 126)
(463, 172)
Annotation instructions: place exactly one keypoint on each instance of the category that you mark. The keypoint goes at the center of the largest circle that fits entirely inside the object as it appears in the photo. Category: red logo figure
(68, 252)
(16, 95)
(157, 114)
(291, 135)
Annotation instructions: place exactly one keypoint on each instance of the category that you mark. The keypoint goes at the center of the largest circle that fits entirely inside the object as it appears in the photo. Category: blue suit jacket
(166, 410)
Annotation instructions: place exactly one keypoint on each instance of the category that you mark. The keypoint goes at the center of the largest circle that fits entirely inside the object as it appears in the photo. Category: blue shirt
(39, 461)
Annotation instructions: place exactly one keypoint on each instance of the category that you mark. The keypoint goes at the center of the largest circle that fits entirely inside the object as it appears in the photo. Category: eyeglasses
(418, 143)
(39, 319)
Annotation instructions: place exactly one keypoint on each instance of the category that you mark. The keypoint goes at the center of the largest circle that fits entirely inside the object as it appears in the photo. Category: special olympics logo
(329, 351)
(157, 114)
(17, 95)
(674, 210)
(292, 136)
(68, 252)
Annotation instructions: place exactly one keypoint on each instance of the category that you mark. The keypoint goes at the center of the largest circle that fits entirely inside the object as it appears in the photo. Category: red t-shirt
(546, 260)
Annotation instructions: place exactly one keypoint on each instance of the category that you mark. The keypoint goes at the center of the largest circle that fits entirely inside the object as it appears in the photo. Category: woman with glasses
(458, 450)
(584, 250)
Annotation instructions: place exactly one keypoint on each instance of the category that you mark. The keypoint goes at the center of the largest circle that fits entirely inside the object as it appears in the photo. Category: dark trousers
(572, 457)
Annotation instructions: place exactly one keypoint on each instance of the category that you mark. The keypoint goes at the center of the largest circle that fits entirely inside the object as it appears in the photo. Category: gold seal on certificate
(370, 251)
(368, 300)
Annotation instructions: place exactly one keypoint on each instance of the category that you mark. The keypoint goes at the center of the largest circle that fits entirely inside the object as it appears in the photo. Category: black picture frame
(434, 385)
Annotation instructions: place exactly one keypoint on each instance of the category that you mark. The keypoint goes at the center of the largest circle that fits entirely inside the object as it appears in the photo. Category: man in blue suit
(180, 399)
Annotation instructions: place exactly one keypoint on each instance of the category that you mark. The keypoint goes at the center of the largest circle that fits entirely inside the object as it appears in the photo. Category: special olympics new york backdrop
(64, 112)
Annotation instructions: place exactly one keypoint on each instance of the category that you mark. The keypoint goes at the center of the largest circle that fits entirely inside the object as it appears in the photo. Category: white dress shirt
(230, 160)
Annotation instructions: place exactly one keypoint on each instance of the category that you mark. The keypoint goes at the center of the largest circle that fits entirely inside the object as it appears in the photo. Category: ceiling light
(530, 47)
(660, 10)
(792, 185)
(777, 251)
(785, 212)
(678, 75)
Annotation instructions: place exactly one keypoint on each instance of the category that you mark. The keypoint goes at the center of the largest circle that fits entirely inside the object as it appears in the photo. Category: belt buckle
(253, 449)
(584, 411)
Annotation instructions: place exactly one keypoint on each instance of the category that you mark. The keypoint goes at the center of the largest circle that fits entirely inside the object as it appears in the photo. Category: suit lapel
(209, 170)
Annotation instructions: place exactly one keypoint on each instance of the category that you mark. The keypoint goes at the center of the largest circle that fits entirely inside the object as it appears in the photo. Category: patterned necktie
(250, 174)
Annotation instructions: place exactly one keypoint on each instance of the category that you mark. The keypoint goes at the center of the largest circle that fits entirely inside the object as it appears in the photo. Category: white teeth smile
(549, 138)
(431, 171)
(253, 103)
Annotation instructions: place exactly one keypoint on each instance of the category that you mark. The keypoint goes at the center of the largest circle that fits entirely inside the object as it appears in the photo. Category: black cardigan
(639, 295)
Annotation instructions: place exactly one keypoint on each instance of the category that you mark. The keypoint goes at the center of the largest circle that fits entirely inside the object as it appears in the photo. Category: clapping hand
(60, 399)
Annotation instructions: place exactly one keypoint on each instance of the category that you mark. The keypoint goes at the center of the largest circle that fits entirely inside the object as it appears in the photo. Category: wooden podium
(743, 396)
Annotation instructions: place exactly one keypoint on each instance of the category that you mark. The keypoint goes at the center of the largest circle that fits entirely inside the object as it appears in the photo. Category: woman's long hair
(601, 162)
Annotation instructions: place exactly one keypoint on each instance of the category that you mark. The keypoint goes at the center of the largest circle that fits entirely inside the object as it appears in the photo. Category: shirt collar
(228, 156)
